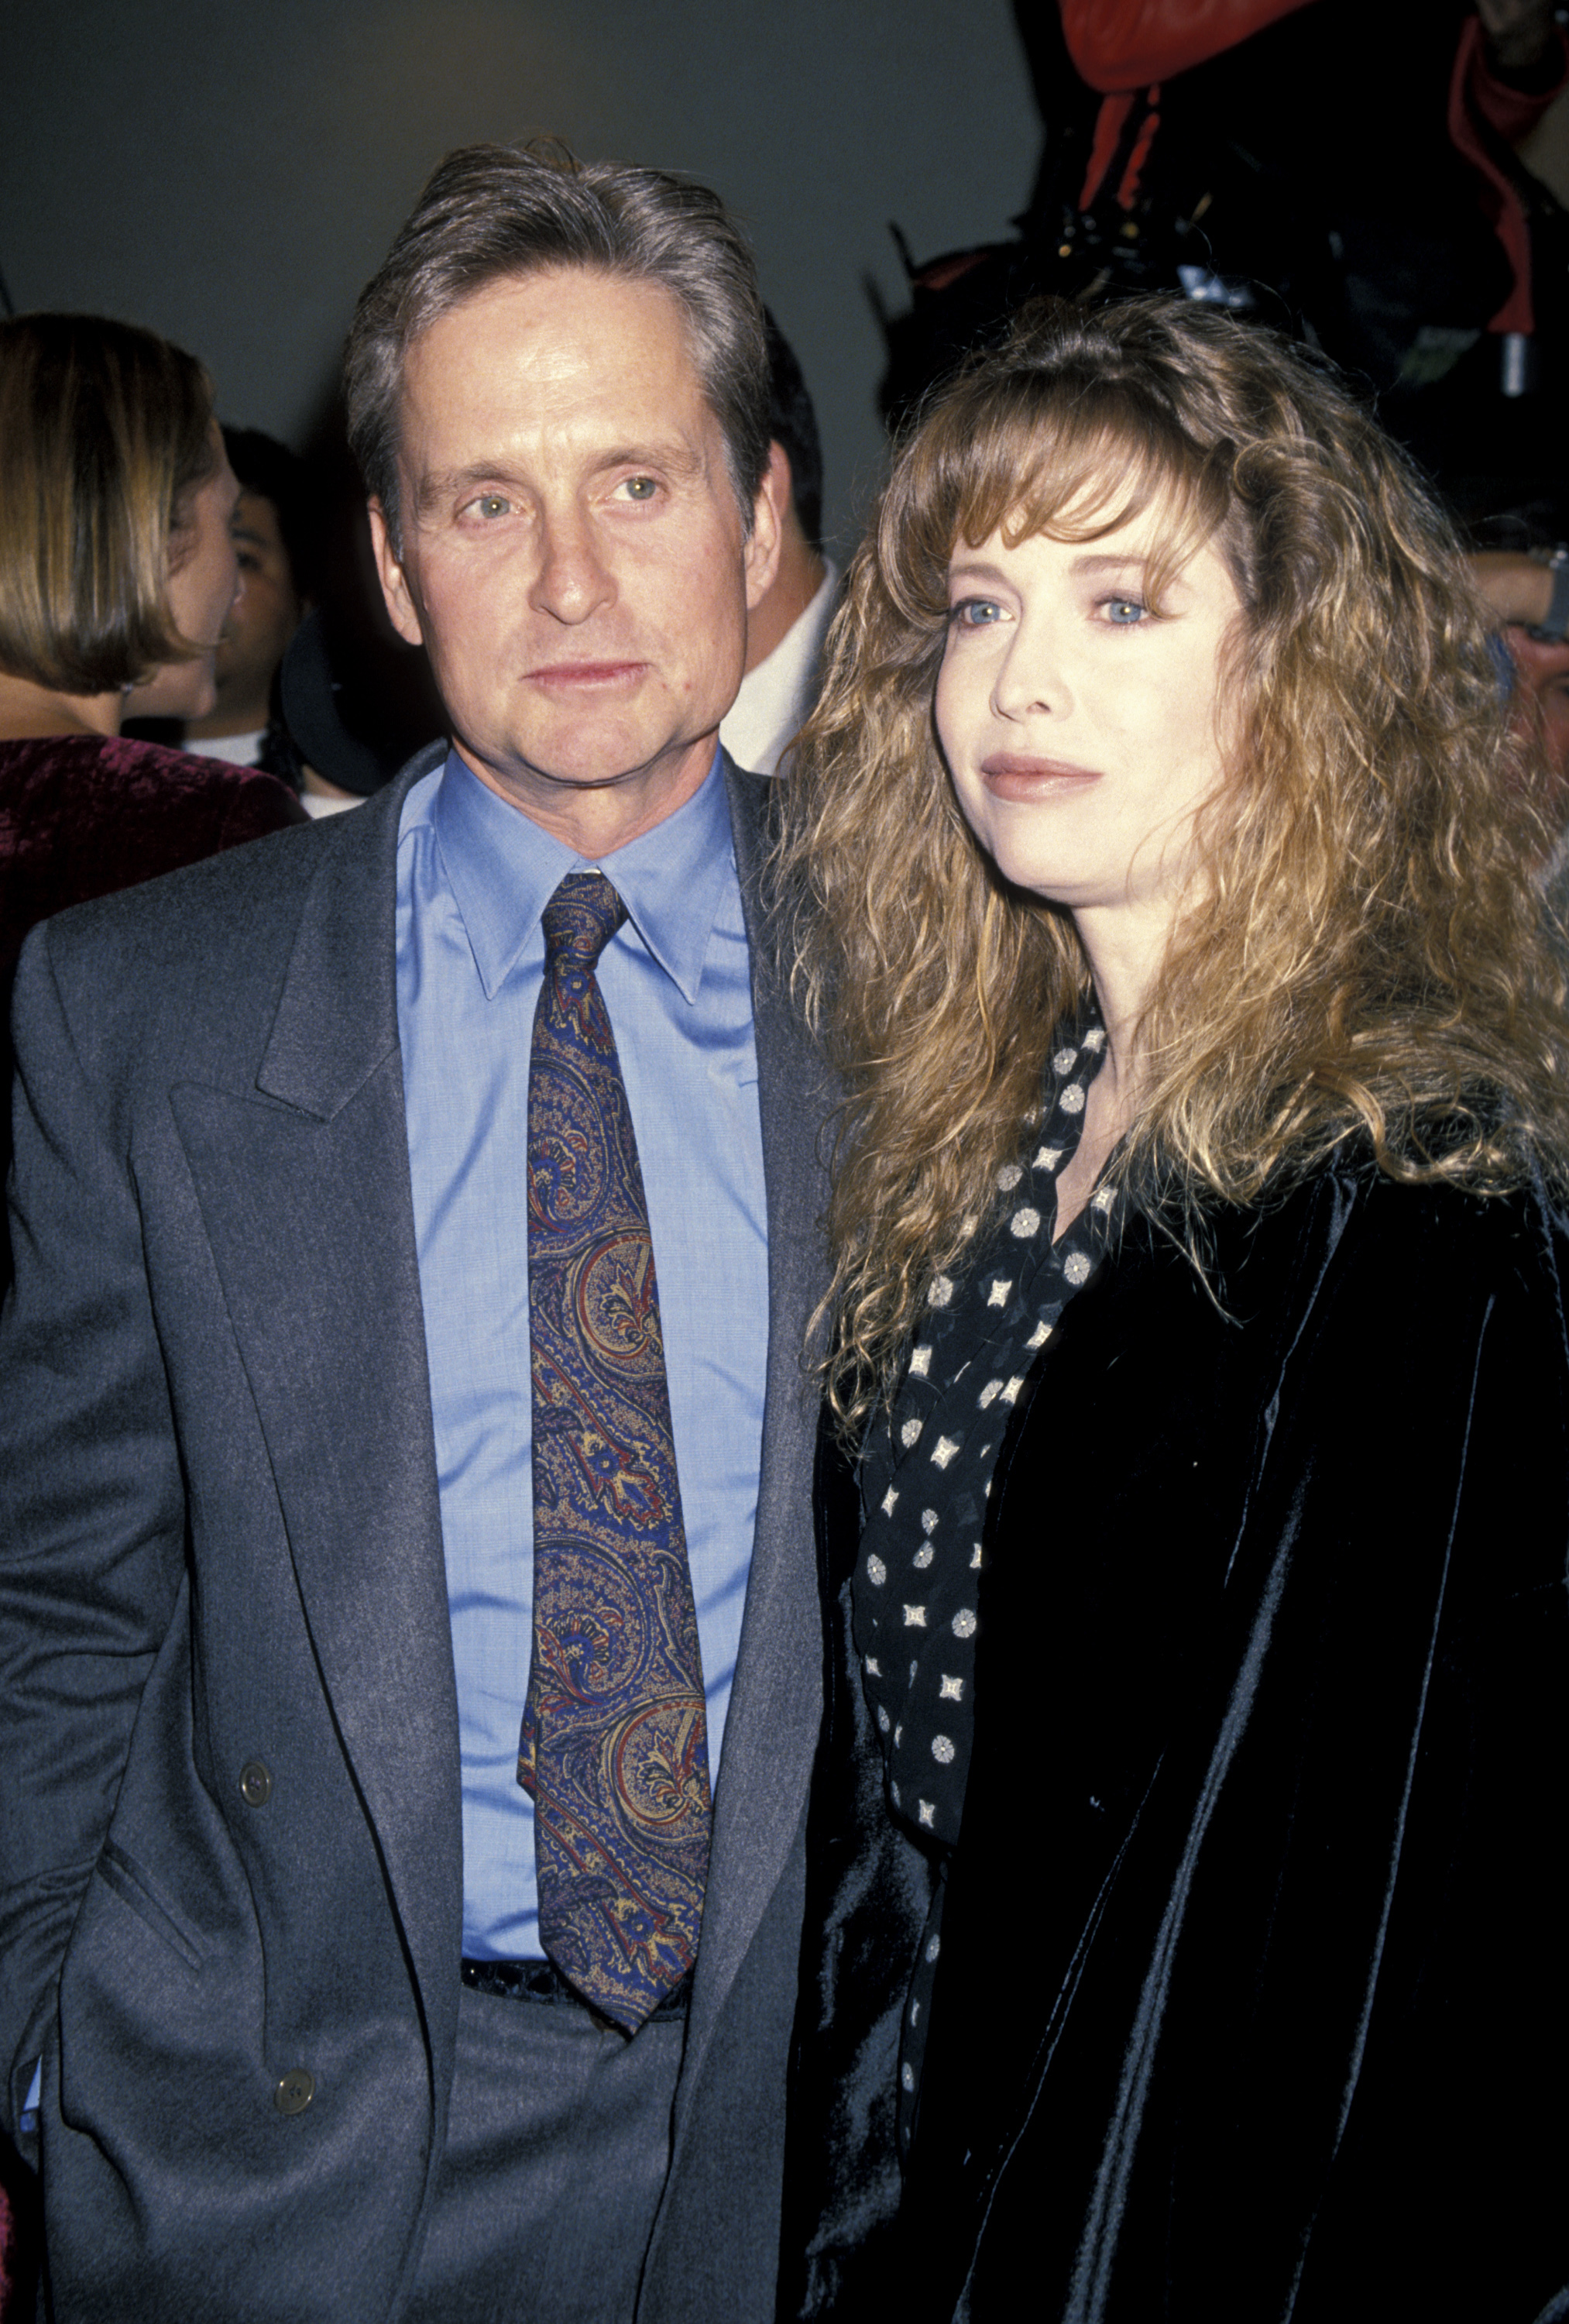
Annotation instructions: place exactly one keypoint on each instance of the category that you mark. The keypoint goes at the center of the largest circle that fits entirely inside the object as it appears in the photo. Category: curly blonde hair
(1368, 958)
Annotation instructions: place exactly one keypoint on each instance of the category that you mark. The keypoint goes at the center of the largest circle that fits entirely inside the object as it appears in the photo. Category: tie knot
(580, 920)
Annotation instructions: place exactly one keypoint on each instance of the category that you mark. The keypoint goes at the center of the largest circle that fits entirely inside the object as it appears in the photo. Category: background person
(1527, 588)
(115, 566)
(116, 574)
(785, 631)
(272, 538)
(1185, 1838)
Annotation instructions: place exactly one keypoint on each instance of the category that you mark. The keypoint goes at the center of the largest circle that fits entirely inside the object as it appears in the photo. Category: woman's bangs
(1077, 474)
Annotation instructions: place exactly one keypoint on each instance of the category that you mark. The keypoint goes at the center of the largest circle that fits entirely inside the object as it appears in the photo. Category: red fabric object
(1128, 187)
(1108, 128)
(84, 815)
(1126, 44)
(1512, 112)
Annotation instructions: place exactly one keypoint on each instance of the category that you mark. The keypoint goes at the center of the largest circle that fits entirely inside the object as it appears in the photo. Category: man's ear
(401, 607)
(768, 513)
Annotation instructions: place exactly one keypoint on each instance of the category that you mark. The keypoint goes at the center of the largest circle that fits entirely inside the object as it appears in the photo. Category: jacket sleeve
(92, 1512)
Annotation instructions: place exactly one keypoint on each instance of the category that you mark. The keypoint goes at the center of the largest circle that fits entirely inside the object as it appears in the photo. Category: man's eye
(640, 488)
(490, 505)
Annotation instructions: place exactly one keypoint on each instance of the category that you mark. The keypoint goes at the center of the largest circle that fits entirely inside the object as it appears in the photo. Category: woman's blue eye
(1125, 611)
(975, 613)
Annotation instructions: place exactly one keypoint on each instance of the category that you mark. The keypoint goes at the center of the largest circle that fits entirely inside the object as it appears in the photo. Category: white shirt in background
(776, 697)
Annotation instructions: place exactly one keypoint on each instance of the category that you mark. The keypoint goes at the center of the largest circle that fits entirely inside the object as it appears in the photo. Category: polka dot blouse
(917, 1597)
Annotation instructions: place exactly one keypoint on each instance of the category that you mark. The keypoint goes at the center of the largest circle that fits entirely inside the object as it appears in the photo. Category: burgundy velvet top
(82, 815)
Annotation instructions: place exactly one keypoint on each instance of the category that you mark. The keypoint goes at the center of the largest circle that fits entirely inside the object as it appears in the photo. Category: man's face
(573, 554)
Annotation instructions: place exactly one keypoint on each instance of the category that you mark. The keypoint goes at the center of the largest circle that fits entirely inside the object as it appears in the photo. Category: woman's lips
(1008, 775)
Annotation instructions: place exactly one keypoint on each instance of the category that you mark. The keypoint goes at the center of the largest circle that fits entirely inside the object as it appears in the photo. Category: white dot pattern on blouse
(965, 1380)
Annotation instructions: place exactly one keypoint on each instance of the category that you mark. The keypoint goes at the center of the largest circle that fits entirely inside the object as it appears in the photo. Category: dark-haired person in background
(785, 631)
(406, 1588)
(273, 533)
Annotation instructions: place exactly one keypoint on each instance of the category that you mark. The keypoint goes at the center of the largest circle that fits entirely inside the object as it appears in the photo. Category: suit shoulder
(229, 908)
(188, 968)
(179, 911)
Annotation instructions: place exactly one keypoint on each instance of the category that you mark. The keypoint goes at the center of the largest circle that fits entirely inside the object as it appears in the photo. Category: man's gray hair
(490, 212)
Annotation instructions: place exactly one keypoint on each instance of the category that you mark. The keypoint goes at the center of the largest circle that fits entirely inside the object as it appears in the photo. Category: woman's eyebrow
(1129, 557)
(974, 568)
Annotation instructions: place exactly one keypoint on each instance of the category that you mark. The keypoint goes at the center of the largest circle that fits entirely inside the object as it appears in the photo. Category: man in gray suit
(287, 2010)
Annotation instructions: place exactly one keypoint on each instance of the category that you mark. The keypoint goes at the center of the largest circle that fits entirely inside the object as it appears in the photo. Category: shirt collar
(504, 868)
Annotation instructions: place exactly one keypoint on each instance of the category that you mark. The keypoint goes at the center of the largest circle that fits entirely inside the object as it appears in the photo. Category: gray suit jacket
(230, 1840)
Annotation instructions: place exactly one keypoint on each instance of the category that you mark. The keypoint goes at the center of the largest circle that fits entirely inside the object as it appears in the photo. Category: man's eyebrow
(676, 457)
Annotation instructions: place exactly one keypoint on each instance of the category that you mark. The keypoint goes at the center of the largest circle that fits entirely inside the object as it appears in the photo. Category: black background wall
(231, 174)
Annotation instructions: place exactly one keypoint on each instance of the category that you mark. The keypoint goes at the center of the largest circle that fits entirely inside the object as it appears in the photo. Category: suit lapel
(303, 1180)
(770, 1731)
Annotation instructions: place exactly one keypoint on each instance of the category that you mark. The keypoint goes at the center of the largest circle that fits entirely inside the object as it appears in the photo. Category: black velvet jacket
(1253, 1996)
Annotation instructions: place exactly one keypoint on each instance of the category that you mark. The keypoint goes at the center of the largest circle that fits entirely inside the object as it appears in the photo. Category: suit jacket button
(295, 2091)
(255, 1784)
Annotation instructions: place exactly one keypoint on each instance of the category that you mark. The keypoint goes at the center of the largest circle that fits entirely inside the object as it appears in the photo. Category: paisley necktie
(614, 1747)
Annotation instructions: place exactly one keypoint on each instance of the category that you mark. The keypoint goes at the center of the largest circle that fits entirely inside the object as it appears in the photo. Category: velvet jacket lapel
(303, 1179)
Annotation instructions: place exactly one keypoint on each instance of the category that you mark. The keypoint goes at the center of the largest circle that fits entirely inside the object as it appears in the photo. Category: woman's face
(1082, 729)
(204, 581)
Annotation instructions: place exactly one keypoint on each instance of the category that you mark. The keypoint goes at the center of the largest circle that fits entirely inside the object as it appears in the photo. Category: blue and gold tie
(614, 1749)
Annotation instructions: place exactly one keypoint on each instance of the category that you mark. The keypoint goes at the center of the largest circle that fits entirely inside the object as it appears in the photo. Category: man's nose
(571, 581)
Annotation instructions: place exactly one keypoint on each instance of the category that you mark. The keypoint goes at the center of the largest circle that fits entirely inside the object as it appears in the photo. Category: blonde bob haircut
(105, 434)
(1359, 960)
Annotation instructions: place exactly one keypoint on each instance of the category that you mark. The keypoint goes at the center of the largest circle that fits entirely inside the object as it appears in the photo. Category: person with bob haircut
(1182, 1935)
(117, 573)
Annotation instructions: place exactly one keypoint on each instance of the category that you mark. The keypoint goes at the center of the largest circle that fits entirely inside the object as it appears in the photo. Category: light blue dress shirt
(473, 877)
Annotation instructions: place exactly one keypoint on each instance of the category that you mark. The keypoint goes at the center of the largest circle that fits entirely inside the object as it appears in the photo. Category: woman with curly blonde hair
(1184, 1844)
